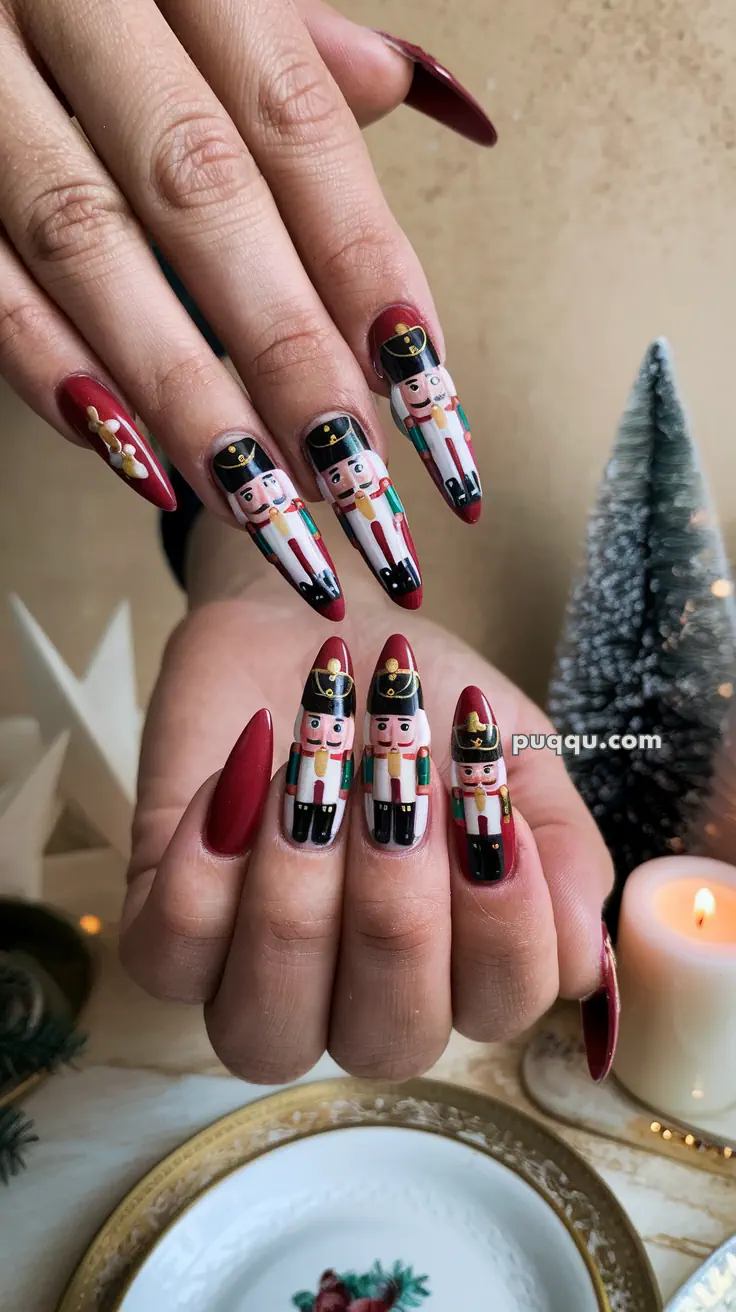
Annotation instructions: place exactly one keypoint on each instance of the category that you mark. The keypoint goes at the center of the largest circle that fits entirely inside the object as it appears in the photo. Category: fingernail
(481, 803)
(263, 500)
(240, 795)
(97, 416)
(320, 769)
(425, 406)
(600, 1014)
(436, 92)
(355, 481)
(396, 756)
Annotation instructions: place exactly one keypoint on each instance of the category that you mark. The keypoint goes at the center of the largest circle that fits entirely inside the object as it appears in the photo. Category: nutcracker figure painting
(425, 407)
(354, 479)
(320, 769)
(481, 806)
(263, 499)
(396, 757)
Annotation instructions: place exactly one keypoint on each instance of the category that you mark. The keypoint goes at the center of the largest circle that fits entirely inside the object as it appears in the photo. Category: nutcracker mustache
(277, 501)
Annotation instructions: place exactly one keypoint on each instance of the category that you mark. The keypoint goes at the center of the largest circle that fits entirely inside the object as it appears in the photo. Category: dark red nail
(425, 406)
(438, 94)
(97, 416)
(600, 1016)
(240, 794)
(264, 501)
(481, 803)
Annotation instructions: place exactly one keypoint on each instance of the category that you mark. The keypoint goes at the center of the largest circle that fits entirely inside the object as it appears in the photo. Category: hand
(230, 134)
(369, 952)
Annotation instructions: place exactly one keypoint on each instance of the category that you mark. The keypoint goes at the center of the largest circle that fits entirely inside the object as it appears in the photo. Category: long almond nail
(396, 757)
(98, 416)
(355, 481)
(264, 500)
(320, 769)
(599, 1015)
(481, 804)
(240, 795)
(425, 406)
(436, 92)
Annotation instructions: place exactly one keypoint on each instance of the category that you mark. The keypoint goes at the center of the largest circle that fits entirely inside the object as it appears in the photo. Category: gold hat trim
(413, 350)
(241, 460)
(331, 672)
(391, 668)
(477, 743)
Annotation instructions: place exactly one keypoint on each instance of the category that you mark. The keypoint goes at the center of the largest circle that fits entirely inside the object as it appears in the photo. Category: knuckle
(301, 346)
(199, 160)
(173, 383)
(404, 930)
(74, 221)
(22, 326)
(365, 255)
(298, 101)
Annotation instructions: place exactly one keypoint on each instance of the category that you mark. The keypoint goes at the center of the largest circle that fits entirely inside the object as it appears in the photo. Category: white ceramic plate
(477, 1234)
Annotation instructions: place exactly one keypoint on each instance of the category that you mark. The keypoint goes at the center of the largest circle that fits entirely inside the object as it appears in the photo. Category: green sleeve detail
(392, 497)
(367, 769)
(348, 770)
(458, 811)
(418, 441)
(309, 522)
(292, 769)
(463, 418)
(423, 769)
(262, 545)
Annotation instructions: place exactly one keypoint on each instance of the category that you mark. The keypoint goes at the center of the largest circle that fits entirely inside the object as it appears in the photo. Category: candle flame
(90, 924)
(703, 906)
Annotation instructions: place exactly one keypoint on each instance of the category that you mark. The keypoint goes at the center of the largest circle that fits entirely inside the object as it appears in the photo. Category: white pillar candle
(676, 955)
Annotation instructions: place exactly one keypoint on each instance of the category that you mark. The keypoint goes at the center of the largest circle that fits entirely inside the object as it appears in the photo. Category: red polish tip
(385, 326)
(334, 649)
(436, 92)
(600, 1014)
(471, 513)
(410, 600)
(396, 648)
(240, 793)
(334, 610)
(473, 701)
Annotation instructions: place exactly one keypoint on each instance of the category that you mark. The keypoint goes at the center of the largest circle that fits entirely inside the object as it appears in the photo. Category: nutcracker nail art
(320, 769)
(396, 755)
(436, 92)
(425, 407)
(599, 1015)
(355, 481)
(481, 805)
(240, 794)
(264, 500)
(97, 416)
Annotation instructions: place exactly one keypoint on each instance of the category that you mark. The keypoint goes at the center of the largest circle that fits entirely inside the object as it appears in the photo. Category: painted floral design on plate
(395, 1289)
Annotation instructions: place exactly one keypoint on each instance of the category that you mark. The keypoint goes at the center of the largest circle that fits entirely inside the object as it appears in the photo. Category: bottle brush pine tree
(649, 640)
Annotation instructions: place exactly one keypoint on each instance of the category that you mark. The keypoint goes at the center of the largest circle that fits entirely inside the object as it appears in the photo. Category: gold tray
(601, 1229)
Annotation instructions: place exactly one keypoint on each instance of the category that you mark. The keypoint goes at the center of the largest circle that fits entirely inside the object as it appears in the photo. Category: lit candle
(676, 956)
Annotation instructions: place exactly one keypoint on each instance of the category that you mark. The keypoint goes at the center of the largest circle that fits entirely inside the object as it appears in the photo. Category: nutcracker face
(262, 492)
(356, 474)
(424, 391)
(314, 731)
(393, 732)
(475, 773)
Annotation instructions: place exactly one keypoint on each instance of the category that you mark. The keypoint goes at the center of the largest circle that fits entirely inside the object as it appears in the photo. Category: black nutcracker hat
(408, 353)
(394, 691)
(335, 440)
(330, 691)
(239, 462)
(476, 741)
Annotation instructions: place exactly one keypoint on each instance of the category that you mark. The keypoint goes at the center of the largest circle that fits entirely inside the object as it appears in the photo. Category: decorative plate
(343, 1196)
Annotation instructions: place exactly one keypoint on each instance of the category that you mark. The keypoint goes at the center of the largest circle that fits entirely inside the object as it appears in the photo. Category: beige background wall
(605, 216)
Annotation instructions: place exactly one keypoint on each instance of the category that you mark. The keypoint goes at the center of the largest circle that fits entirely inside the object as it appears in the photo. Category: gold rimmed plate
(343, 1195)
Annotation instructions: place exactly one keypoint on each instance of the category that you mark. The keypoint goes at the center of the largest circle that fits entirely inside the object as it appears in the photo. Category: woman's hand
(229, 134)
(370, 937)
